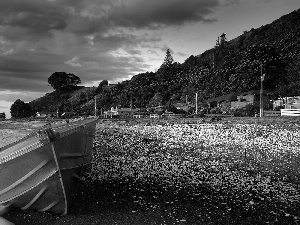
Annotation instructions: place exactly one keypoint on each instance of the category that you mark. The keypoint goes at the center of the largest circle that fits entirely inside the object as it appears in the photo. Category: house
(293, 102)
(238, 100)
(110, 113)
(184, 106)
(287, 102)
(68, 114)
(222, 101)
(123, 112)
(158, 108)
(46, 114)
(253, 98)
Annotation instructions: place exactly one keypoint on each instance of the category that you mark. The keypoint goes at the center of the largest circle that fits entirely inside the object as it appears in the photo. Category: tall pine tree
(168, 59)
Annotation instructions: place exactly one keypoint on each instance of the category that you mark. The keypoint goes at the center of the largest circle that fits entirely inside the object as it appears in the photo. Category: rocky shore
(230, 172)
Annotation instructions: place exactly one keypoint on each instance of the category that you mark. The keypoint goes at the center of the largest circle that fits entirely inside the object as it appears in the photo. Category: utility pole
(95, 106)
(131, 104)
(261, 100)
(196, 103)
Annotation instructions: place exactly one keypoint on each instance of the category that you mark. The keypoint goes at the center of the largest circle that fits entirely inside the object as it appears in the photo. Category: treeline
(231, 66)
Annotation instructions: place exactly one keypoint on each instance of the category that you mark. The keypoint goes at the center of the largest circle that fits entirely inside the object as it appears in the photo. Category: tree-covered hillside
(230, 66)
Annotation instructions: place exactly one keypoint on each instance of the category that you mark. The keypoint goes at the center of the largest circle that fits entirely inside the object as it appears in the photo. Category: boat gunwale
(42, 140)
(12, 155)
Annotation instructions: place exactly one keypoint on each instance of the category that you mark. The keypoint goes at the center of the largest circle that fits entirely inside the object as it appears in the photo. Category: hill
(230, 66)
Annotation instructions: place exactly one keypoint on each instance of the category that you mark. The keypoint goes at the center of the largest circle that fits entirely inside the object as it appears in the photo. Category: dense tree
(63, 81)
(231, 67)
(168, 59)
(156, 100)
(2, 115)
(254, 60)
(102, 84)
(20, 109)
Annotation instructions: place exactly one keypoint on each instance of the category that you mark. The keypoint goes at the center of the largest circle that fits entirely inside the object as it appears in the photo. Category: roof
(128, 110)
(110, 112)
(256, 92)
(184, 105)
(47, 112)
(232, 96)
(228, 97)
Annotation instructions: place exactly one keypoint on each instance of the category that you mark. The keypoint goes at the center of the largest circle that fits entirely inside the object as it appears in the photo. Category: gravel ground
(195, 173)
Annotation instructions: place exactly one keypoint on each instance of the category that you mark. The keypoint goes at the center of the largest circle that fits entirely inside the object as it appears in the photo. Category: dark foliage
(2, 115)
(249, 110)
(20, 109)
(236, 66)
(103, 84)
(63, 81)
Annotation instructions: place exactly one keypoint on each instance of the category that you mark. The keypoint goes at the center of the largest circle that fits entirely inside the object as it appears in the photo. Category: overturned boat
(41, 170)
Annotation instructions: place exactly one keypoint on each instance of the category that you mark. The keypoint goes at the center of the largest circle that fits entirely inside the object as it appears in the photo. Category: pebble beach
(11, 131)
(185, 172)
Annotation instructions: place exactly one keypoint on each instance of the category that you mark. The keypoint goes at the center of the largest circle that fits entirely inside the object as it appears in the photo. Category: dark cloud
(157, 13)
(42, 16)
(27, 18)
(85, 37)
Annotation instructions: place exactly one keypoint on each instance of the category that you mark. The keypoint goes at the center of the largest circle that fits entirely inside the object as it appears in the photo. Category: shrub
(249, 110)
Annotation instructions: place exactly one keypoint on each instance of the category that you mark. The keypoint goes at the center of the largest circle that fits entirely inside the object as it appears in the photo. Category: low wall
(173, 115)
(272, 113)
(290, 112)
(218, 115)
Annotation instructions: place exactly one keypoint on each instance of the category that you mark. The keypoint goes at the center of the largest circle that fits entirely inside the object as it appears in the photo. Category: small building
(46, 114)
(293, 102)
(122, 112)
(184, 106)
(222, 101)
(287, 102)
(125, 111)
(253, 98)
(158, 108)
(110, 113)
(278, 103)
(237, 100)
(68, 114)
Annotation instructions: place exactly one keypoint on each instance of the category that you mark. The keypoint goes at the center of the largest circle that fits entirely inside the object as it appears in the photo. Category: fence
(154, 116)
(217, 115)
(272, 113)
(290, 112)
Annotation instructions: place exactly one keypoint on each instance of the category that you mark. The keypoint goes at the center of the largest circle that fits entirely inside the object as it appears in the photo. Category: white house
(288, 102)
(120, 112)
(46, 114)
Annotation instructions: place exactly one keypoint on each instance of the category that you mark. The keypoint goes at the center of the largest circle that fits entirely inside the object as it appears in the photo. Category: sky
(113, 39)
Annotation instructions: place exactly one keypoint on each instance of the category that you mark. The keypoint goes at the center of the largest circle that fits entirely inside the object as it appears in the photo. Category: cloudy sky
(112, 39)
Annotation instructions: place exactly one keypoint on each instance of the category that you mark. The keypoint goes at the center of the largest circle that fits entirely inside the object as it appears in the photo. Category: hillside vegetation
(231, 66)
